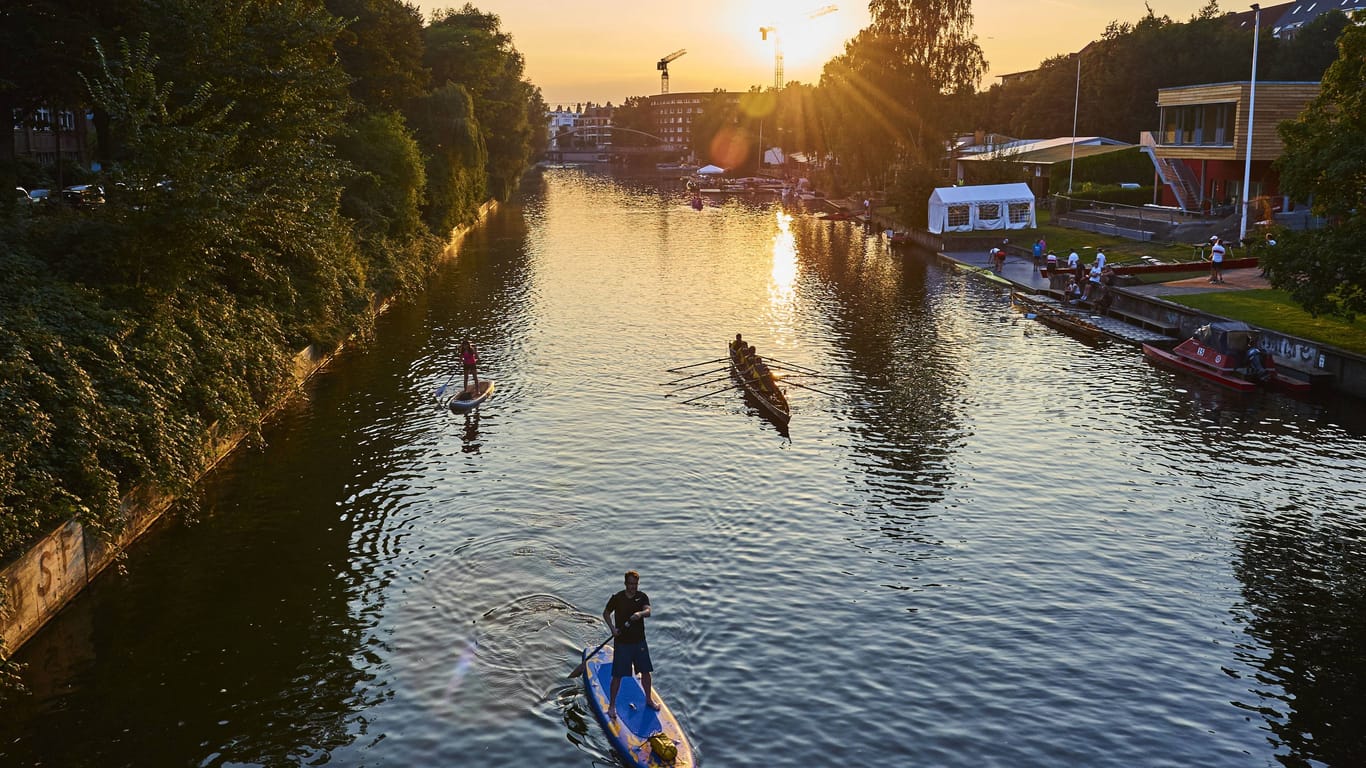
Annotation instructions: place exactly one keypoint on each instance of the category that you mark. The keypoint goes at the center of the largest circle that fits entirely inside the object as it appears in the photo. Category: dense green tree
(382, 49)
(457, 171)
(1325, 162)
(466, 47)
(885, 96)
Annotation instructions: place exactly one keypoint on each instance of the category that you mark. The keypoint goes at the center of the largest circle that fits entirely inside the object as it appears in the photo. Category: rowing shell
(635, 723)
(772, 399)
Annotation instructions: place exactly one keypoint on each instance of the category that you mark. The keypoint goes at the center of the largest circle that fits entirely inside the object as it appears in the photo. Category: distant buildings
(48, 135)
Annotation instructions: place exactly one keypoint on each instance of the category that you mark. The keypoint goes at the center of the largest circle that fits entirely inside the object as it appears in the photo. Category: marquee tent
(985, 206)
(710, 170)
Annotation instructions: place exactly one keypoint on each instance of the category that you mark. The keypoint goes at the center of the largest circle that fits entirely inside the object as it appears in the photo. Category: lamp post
(1251, 110)
(1076, 102)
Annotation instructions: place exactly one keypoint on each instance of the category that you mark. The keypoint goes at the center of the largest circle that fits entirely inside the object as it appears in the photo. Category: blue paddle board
(635, 723)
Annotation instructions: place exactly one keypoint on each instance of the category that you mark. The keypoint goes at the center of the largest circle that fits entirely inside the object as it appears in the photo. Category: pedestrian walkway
(1247, 279)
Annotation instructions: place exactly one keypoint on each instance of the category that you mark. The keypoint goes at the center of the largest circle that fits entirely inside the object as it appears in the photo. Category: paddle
(441, 390)
(694, 365)
(579, 669)
(695, 375)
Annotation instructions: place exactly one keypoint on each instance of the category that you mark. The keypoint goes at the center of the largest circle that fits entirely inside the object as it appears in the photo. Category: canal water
(979, 542)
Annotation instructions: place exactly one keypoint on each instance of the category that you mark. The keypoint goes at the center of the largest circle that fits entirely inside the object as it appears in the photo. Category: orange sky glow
(606, 50)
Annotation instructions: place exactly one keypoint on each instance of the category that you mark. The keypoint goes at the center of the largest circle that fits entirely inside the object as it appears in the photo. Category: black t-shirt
(622, 607)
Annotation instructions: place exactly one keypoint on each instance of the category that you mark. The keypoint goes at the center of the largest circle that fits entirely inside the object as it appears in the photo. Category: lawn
(1273, 309)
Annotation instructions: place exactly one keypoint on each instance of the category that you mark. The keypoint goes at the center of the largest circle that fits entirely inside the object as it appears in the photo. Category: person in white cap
(1216, 264)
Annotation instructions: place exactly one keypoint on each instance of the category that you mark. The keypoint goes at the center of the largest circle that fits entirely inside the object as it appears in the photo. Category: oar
(709, 394)
(694, 365)
(719, 391)
(695, 375)
(579, 669)
(699, 384)
(793, 366)
(813, 389)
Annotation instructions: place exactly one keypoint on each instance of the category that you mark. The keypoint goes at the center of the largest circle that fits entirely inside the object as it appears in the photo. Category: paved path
(1246, 279)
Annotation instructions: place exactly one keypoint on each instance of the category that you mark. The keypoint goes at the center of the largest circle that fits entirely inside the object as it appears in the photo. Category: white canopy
(985, 206)
(774, 156)
(711, 170)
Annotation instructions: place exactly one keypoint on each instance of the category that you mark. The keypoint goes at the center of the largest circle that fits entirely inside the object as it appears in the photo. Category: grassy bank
(1273, 309)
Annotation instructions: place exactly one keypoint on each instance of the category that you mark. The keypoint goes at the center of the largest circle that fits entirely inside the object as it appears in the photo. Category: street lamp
(1251, 110)
(1076, 102)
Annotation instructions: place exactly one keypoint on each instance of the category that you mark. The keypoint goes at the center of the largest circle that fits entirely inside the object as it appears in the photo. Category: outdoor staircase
(1176, 175)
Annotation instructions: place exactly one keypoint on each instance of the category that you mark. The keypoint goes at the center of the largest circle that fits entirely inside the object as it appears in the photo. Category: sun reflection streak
(784, 263)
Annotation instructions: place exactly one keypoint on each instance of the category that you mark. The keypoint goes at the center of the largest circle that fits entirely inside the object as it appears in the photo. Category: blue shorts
(625, 656)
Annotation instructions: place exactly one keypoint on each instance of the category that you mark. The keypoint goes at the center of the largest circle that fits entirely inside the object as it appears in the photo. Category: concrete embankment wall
(34, 587)
(1326, 366)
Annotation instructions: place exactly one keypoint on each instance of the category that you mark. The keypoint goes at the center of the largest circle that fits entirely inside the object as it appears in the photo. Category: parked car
(83, 195)
(36, 196)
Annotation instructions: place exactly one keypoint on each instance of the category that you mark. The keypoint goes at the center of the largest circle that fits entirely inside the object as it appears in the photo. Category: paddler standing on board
(625, 615)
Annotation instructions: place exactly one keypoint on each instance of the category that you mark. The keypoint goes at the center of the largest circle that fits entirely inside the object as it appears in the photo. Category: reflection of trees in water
(887, 327)
(1304, 581)
(890, 330)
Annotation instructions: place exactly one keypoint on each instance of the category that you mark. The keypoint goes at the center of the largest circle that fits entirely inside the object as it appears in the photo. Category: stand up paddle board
(631, 731)
(468, 398)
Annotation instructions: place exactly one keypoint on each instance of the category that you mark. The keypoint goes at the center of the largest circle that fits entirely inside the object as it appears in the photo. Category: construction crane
(778, 44)
(663, 67)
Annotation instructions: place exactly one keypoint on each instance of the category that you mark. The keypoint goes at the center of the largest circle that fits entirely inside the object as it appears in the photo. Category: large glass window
(1198, 125)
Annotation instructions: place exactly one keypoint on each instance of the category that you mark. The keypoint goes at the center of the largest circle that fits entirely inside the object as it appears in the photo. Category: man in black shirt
(625, 615)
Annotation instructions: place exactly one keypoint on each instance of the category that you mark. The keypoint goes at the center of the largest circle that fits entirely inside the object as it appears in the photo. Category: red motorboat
(1227, 353)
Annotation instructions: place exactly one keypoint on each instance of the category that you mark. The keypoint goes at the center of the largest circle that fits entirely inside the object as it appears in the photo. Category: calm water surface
(993, 546)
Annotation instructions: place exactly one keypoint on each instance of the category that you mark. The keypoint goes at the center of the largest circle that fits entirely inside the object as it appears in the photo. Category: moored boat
(641, 735)
(759, 384)
(1054, 316)
(1227, 353)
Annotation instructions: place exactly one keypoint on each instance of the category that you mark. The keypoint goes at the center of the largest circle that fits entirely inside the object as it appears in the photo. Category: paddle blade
(578, 671)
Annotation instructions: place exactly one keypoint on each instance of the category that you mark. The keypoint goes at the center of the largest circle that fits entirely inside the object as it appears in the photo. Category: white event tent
(985, 206)
(710, 170)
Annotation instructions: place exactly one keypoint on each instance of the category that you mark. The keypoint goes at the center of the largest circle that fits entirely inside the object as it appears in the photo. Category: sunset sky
(606, 50)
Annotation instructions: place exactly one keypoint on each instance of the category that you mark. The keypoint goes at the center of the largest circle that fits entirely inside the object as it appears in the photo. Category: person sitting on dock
(1073, 292)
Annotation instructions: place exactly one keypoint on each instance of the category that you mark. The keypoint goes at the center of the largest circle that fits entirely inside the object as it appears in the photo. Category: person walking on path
(1216, 264)
(625, 615)
(1038, 253)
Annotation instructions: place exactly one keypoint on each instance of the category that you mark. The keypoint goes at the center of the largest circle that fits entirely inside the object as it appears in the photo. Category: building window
(1203, 125)
(959, 215)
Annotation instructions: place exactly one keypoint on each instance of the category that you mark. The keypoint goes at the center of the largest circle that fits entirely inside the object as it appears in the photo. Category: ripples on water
(993, 545)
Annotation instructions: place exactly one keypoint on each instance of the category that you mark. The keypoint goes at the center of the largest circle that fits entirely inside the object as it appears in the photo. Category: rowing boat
(640, 735)
(762, 387)
(1055, 316)
(469, 397)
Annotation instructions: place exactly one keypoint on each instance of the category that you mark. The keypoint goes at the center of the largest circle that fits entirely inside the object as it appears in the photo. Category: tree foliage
(271, 165)
(1325, 162)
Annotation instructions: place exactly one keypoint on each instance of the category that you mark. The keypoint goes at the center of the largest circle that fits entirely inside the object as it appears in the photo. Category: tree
(381, 48)
(467, 48)
(1325, 162)
(886, 96)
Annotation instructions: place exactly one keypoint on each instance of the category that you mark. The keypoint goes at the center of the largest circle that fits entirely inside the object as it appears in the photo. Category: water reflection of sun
(784, 263)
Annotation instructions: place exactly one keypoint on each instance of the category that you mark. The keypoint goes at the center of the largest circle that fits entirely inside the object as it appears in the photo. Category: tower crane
(764, 32)
(663, 67)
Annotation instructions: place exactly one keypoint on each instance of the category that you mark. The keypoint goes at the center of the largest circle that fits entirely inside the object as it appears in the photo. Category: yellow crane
(764, 32)
(663, 67)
